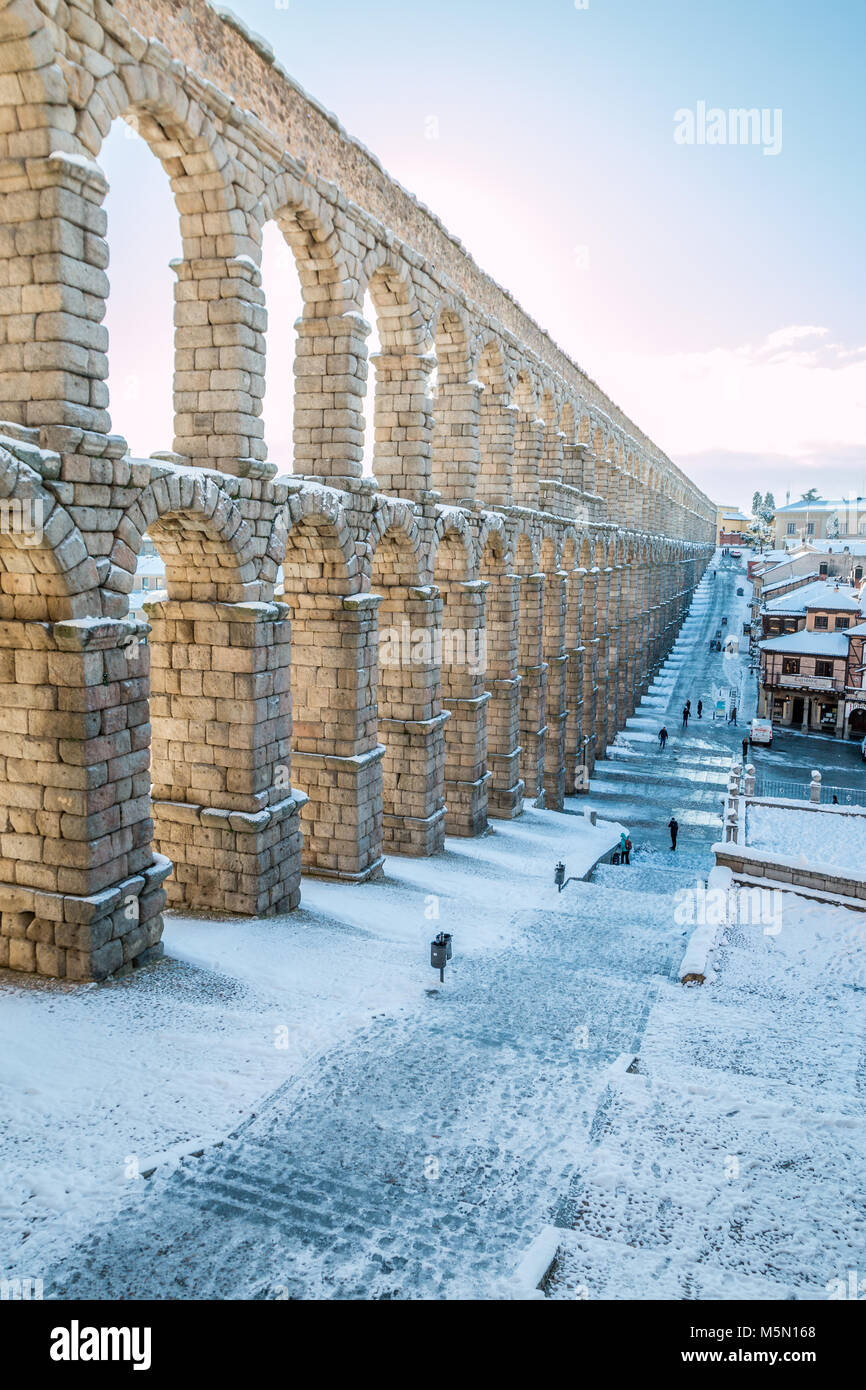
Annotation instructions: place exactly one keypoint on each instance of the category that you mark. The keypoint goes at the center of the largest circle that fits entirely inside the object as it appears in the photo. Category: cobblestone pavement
(421, 1159)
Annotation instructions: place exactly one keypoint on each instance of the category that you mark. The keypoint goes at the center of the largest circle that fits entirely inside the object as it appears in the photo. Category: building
(780, 571)
(731, 525)
(149, 579)
(838, 519)
(812, 668)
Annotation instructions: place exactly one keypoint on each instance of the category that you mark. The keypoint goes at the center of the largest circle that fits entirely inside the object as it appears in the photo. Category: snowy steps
(739, 1212)
(648, 880)
(604, 1268)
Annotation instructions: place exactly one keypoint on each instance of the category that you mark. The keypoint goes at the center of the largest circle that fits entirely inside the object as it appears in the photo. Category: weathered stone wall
(353, 709)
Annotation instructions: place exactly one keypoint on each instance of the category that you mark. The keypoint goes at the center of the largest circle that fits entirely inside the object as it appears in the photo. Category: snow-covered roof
(821, 595)
(840, 545)
(823, 504)
(809, 643)
(805, 580)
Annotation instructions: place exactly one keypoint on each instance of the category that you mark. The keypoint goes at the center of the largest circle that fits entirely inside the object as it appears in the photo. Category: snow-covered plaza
(294, 1107)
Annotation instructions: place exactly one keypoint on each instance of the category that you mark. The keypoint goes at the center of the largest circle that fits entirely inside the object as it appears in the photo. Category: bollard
(815, 786)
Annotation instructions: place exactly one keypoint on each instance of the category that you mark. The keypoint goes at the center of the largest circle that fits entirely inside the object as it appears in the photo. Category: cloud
(795, 399)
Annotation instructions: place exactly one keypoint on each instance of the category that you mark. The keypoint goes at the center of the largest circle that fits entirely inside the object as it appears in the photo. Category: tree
(811, 496)
(757, 506)
(769, 507)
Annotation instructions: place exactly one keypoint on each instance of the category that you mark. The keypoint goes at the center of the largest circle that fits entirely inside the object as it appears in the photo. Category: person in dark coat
(700, 709)
(733, 718)
(745, 750)
(685, 715)
(673, 827)
(663, 738)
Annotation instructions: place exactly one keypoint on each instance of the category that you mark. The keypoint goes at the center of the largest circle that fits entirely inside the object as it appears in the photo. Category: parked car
(761, 731)
(736, 554)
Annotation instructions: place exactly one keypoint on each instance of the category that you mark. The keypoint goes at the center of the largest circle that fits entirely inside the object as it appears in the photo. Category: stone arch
(184, 138)
(525, 553)
(452, 552)
(46, 574)
(330, 355)
(208, 548)
(328, 278)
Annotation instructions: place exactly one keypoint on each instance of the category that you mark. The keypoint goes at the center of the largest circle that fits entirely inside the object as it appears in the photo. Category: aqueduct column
(81, 891)
(556, 659)
(331, 372)
(403, 423)
(464, 697)
(590, 643)
(505, 792)
(528, 440)
(224, 807)
(533, 686)
(574, 651)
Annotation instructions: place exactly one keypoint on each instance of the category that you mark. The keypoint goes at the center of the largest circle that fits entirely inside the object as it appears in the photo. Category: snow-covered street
(322, 1121)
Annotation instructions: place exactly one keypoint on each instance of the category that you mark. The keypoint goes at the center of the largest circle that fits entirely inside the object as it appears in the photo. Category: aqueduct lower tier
(256, 725)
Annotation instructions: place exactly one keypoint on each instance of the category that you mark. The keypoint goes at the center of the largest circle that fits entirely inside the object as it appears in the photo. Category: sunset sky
(715, 292)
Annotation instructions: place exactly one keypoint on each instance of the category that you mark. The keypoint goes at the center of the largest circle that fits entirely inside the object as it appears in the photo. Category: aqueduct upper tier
(340, 665)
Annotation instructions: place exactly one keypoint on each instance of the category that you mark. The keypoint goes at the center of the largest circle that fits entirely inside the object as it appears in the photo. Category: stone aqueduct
(238, 736)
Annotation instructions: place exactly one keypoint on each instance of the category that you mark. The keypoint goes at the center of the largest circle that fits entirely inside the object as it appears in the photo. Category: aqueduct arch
(254, 725)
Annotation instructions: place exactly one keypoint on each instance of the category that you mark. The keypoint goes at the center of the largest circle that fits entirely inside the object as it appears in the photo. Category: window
(790, 666)
(810, 528)
(824, 568)
(858, 573)
(823, 668)
(842, 622)
(822, 622)
(791, 529)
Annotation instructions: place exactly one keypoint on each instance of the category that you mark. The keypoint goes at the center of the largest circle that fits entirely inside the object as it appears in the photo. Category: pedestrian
(733, 718)
(663, 738)
(745, 750)
(673, 827)
(700, 709)
(625, 848)
(689, 706)
(835, 801)
(685, 715)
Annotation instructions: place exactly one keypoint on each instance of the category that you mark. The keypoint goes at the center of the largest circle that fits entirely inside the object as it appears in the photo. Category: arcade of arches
(340, 666)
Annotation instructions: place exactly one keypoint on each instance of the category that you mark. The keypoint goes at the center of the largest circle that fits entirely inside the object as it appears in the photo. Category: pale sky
(714, 291)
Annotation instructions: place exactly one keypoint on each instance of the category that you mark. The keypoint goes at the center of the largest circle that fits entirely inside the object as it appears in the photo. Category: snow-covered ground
(732, 1162)
(99, 1082)
(832, 837)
